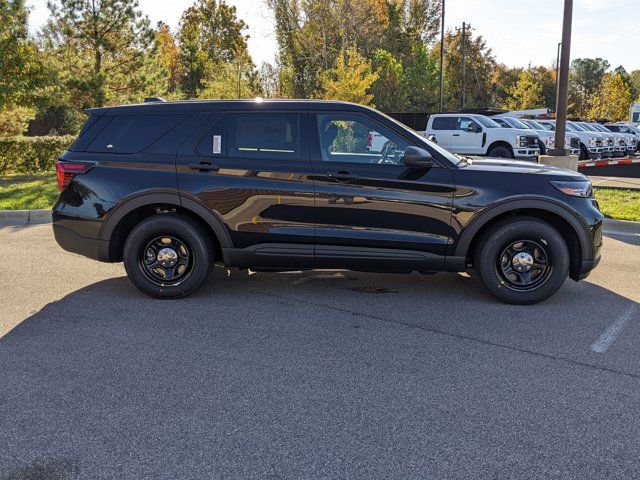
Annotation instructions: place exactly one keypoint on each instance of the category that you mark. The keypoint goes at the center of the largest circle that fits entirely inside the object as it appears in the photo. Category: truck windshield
(536, 125)
(486, 121)
(574, 127)
(588, 127)
(517, 123)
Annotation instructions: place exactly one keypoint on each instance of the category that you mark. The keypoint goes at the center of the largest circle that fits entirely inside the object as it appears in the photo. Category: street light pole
(441, 54)
(563, 82)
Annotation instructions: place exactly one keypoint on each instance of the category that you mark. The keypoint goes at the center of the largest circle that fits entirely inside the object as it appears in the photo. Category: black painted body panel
(390, 217)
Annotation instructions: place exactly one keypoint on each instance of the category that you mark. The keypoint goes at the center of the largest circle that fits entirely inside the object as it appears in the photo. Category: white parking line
(607, 338)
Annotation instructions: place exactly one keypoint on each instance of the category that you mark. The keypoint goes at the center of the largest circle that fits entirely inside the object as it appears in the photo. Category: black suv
(171, 188)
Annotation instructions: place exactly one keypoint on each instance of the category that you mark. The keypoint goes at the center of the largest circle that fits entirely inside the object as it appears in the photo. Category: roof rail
(154, 99)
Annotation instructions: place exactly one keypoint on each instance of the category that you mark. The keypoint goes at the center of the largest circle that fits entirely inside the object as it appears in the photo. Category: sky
(520, 32)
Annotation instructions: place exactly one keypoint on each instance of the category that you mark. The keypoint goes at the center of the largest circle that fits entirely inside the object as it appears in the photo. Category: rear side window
(444, 123)
(133, 133)
(264, 135)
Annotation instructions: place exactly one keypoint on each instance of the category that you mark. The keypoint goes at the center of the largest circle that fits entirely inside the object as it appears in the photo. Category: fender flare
(131, 203)
(545, 204)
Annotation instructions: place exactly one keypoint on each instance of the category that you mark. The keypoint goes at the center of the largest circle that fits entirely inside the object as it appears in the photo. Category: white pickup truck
(474, 134)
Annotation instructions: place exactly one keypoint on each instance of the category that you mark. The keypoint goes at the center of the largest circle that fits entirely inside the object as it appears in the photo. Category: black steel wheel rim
(166, 260)
(524, 264)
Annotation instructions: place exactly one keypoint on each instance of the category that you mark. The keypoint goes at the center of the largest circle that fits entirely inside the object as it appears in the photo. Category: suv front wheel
(168, 255)
(522, 260)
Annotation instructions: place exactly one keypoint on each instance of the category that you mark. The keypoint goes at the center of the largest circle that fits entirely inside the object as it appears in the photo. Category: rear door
(373, 212)
(252, 169)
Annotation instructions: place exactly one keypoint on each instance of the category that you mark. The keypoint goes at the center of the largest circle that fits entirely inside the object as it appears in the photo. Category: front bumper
(526, 153)
(595, 152)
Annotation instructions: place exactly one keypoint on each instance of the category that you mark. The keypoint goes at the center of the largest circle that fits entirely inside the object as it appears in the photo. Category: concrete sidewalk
(615, 182)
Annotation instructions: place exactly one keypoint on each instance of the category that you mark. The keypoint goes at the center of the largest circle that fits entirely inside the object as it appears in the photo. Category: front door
(252, 169)
(372, 212)
(469, 136)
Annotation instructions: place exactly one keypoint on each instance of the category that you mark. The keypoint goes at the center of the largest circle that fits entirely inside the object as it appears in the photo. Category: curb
(22, 218)
(621, 227)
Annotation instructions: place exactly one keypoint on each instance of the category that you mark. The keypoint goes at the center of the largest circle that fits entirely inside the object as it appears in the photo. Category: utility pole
(441, 54)
(557, 68)
(563, 82)
(464, 63)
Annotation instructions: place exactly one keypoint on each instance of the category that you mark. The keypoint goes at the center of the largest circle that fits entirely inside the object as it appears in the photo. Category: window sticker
(217, 144)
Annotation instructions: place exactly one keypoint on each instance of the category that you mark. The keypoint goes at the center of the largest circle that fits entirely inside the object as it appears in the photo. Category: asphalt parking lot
(313, 375)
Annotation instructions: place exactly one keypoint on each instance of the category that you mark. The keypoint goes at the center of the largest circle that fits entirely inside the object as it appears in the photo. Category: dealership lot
(313, 375)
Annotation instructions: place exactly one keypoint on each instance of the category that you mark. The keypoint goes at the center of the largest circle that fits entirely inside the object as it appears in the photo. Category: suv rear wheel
(522, 260)
(168, 255)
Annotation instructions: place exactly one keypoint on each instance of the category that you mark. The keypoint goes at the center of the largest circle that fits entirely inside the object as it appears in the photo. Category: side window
(501, 122)
(444, 123)
(463, 123)
(133, 133)
(264, 135)
(357, 139)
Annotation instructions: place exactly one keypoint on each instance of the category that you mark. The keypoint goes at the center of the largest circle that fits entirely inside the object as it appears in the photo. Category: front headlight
(592, 141)
(521, 141)
(575, 189)
(549, 142)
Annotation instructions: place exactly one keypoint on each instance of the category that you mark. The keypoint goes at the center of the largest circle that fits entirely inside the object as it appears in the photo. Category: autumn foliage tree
(350, 80)
(611, 100)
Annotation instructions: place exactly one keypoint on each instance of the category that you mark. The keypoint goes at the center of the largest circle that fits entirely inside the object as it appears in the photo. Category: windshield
(589, 128)
(549, 126)
(601, 128)
(486, 121)
(575, 127)
(536, 125)
(517, 123)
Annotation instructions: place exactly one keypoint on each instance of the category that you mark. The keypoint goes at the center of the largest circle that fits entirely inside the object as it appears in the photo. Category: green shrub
(31, 154)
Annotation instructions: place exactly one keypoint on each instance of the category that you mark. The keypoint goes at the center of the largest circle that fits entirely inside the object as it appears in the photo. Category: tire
(501, 151)
(538, 246)
(168, 255)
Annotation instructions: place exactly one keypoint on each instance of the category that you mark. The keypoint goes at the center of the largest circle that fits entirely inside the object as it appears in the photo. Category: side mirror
(417, 157)
(473, 128)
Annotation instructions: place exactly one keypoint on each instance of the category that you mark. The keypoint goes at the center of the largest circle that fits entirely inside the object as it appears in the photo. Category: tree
(534, 88)
(480, 66)
(313, 34)
(388, 90)
(585, 77)
(210, 35)
(101, 48)
(22, 70)
(611, 100)
(350, 80)
(420, 82)
(526, 94)
(634, 77)
(168, 55)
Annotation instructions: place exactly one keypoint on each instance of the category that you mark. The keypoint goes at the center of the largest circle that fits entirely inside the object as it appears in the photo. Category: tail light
(67, 170)
(369, 140)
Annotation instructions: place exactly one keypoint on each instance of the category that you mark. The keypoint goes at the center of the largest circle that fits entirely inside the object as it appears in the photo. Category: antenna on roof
(154, 99)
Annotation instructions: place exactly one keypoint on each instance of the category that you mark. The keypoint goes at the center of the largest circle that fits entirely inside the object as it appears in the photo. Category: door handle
(341, 176)
(456, 134)
(204, 167)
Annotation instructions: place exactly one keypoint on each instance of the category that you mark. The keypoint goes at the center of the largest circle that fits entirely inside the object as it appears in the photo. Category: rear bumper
(74, 243)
